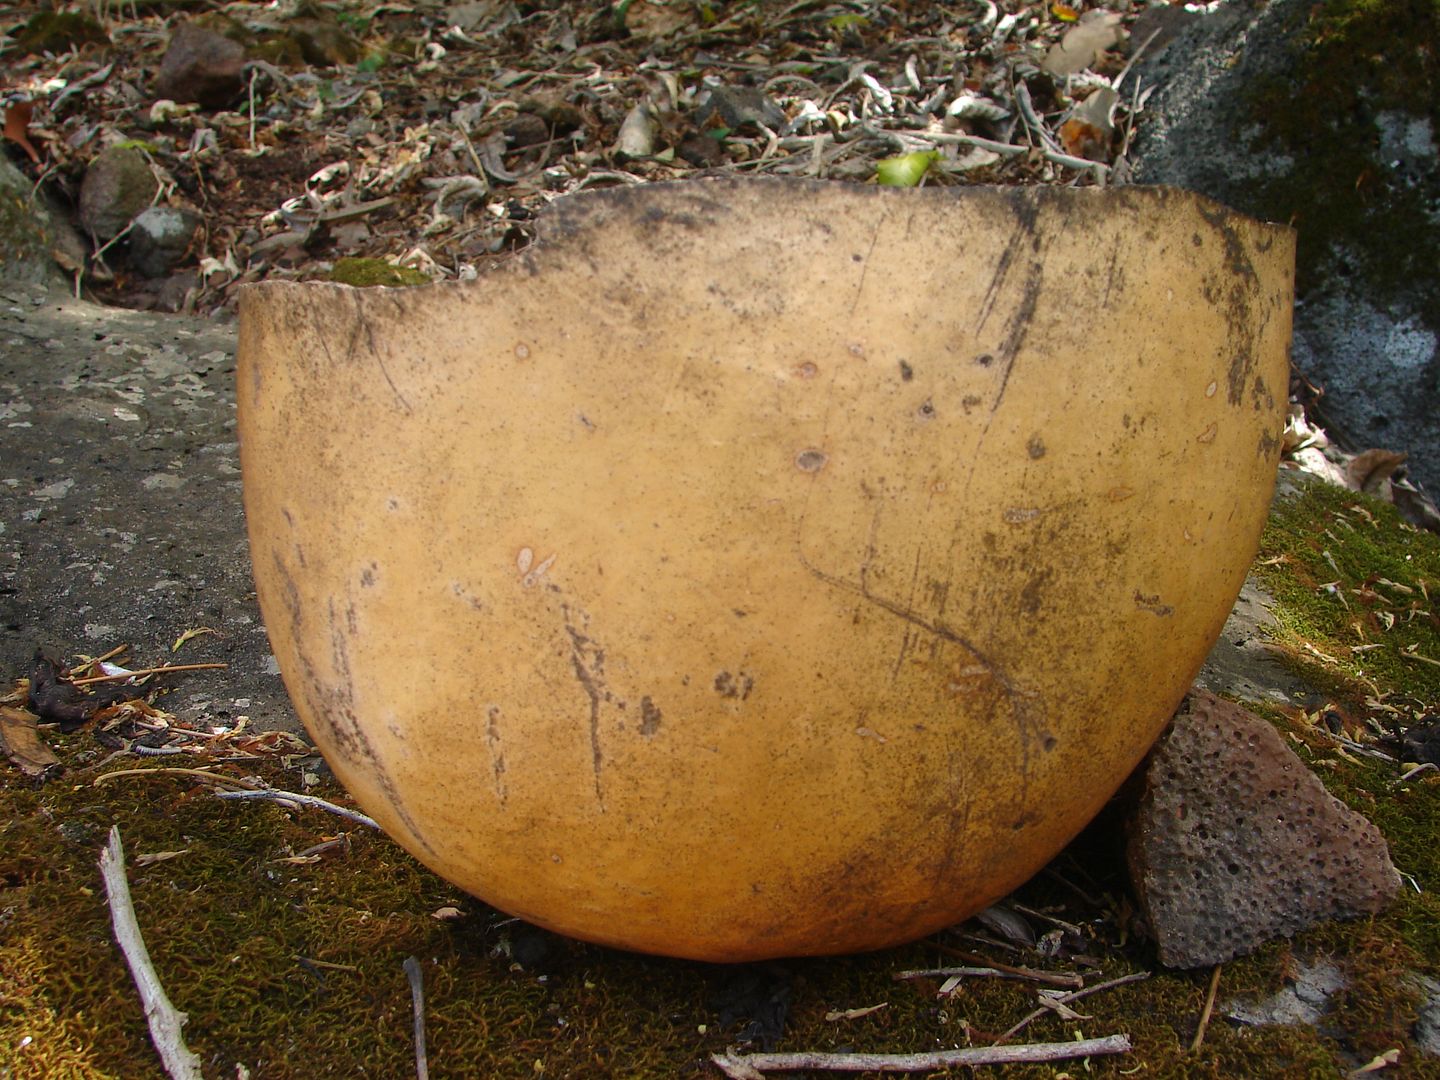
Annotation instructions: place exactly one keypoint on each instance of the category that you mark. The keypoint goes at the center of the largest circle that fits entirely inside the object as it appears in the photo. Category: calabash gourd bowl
(762, 568)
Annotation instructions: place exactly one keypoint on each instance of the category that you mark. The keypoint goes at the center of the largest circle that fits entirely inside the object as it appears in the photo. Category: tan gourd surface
(760, 568)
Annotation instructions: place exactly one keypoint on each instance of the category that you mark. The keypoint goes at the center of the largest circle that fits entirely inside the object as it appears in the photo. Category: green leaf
(842, 23)
(907, 170)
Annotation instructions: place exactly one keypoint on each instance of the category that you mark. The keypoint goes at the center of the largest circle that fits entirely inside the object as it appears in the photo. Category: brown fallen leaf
(1089, 130)
(21, 742)
(17, 127)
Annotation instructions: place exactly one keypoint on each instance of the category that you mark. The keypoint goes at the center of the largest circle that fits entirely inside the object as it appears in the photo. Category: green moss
(365, 273)
(1354, 61)
(58, 32)
(1353, 583)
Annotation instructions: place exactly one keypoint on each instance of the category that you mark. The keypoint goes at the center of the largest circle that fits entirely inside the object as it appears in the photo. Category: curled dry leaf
(1007, 924)
(190, 635)
(1369, 470)
(1090, 128)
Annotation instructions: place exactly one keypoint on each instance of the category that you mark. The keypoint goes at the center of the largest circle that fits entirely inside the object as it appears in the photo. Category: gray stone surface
(1236, 842)
(1369, 340)
(1427, 1024)
(1241, 664)
(1305, 999)
(120, 509)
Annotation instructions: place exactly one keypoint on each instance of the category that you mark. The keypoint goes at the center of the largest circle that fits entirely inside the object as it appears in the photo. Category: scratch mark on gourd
(865, 265)
(1026, 711)
(497, 752)
(588, 659)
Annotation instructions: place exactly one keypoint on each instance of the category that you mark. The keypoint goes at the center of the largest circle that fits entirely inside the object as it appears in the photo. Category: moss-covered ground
(291, 965)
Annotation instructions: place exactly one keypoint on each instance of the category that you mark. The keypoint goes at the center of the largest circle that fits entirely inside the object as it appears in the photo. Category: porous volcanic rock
(1235, 842)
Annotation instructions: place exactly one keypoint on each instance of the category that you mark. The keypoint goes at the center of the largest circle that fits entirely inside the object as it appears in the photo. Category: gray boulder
(1320, 116)
(118, 184)
(35, 239)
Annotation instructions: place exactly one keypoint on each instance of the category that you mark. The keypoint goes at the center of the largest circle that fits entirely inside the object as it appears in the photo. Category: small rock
(1304, 1000)
(734, 107)
(702, 151)
(176, 290)
(1235, 842)
(160, 239)
(1421, 743)
(202, 66)
(118, 185)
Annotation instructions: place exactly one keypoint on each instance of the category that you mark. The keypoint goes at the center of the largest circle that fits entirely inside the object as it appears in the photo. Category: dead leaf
(1369, 470)
(854, 1014)
(644, 18)
(1380, 1061)
(17, 127)
(1007, 924)
(1089, 130)
(153, 857)
(190, 635)
(21, 742)
(1093, 34)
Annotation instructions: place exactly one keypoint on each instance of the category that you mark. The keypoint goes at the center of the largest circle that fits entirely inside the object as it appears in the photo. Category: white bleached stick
(164, 1019)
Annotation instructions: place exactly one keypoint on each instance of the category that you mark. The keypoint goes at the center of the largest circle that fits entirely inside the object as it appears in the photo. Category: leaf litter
(434, 137)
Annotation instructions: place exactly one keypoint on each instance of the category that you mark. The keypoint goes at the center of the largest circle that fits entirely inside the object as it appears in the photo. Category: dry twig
(1074, 995)
(1208, 1010)
(992, 971)
(754, 1066)
(194, 774)
(139, 672)
(301, 800)
(417, 995)
(164, 1019)
(1067, 979)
